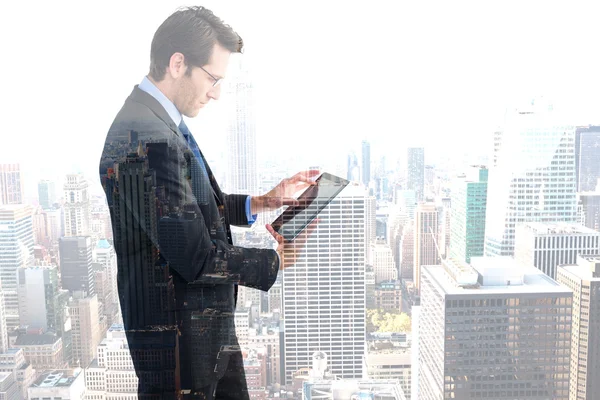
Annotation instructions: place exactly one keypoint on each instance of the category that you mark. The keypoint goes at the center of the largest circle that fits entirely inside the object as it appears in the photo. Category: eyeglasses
(217, 81)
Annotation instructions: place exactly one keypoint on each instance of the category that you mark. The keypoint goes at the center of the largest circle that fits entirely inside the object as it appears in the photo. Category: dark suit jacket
(177, 268)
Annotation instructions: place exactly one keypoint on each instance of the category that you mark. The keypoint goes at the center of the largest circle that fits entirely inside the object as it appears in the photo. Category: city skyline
(459, 136)
(464, 97)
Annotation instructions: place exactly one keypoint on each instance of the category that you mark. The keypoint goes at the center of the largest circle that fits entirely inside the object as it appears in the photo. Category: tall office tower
(383, 261)
(11, 185)
(415, 179)
(548, 245)
(407, 253)
(55, 222)
(16, 236)
(534, 180)
(588, 210)
(39, 303)
(366, 163)
(46, 194)
(587, 158)
(407, 199)
(353, 173)
(445, 214)
(320, 313)
(583, 279)
(85, 328)
(40, 227)
(370, 226)
(426, 240)
(77, 206)
(242, 175)
(469, 199)
(107, 305)
(396, 226)
(76, 271)
(155, 286)
(105, 254)
(476, 322)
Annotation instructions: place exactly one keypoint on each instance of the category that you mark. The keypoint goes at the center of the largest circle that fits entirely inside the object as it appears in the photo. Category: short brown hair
(192, 31)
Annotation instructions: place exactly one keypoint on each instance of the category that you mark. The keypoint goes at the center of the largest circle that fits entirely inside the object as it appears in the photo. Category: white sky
(434, 74)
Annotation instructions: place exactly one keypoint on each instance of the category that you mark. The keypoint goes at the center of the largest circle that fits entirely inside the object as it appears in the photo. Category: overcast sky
(327, 74)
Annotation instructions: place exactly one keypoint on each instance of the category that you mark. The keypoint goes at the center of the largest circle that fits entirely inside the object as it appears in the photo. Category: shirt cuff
(251, 218)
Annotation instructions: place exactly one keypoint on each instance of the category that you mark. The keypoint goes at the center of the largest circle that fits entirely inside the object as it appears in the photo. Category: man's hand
(281, 195)
(290, 250)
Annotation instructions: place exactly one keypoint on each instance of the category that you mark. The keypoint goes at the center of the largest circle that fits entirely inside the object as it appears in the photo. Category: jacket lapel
(138, 95)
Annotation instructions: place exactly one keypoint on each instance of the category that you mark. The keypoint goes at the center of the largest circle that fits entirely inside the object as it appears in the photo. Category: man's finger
(276, 235)
(290, 202)
(305, 176)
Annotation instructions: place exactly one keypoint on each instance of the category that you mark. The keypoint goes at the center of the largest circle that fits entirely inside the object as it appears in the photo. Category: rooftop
(583, 268)
(500, 275)
(559, 228)
(30, 339)
(103, 244)
(57, 378)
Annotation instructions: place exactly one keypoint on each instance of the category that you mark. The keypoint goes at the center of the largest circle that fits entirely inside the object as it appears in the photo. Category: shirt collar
(147, 86)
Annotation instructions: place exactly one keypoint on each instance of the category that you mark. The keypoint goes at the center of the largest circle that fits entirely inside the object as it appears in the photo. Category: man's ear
(177, 65)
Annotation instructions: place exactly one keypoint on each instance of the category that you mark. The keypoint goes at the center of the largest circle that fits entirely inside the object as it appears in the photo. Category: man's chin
(193, 113)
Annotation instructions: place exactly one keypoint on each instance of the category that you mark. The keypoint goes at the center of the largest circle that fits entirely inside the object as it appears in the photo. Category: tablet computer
(314, 199)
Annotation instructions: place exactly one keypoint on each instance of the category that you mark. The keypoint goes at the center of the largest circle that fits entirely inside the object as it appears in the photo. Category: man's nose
(215, 92)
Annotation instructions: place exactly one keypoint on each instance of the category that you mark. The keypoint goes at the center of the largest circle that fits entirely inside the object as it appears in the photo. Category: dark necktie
(192, 143)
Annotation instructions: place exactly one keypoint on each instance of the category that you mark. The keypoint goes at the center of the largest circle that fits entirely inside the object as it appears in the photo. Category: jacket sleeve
(235, 207)
(189, 244)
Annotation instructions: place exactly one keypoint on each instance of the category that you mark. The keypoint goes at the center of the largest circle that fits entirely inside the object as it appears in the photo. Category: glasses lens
(217, 82)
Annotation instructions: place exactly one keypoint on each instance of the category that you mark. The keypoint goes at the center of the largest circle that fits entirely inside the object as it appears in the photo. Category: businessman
(178, 270)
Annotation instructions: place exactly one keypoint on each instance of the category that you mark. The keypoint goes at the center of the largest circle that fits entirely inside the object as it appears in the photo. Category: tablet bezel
(278, 223)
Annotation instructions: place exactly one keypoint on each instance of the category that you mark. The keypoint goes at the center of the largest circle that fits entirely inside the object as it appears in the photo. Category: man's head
(190, 46)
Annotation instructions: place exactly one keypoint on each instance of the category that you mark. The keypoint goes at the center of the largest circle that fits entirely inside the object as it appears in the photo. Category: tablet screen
(294, 219)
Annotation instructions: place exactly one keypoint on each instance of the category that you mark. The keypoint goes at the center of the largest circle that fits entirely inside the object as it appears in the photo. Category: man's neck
(163, 86)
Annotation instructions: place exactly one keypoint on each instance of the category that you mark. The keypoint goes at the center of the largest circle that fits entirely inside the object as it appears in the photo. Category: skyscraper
(77, 206)
(242, 174)
(39, 305)
(16, 237)
(324, 293)
(493, 329)
(546, 246)
(366, 163)
(587, 158)
(11, 186)
(426, 239)
(588, 210)
(76, 271)
(407, 260)
(353, 170)
(371, 226)
(534, 179)
(383, 261)
(86, 330)
(46, 193)
(415, 179)
(469, 199)
(583, 278)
